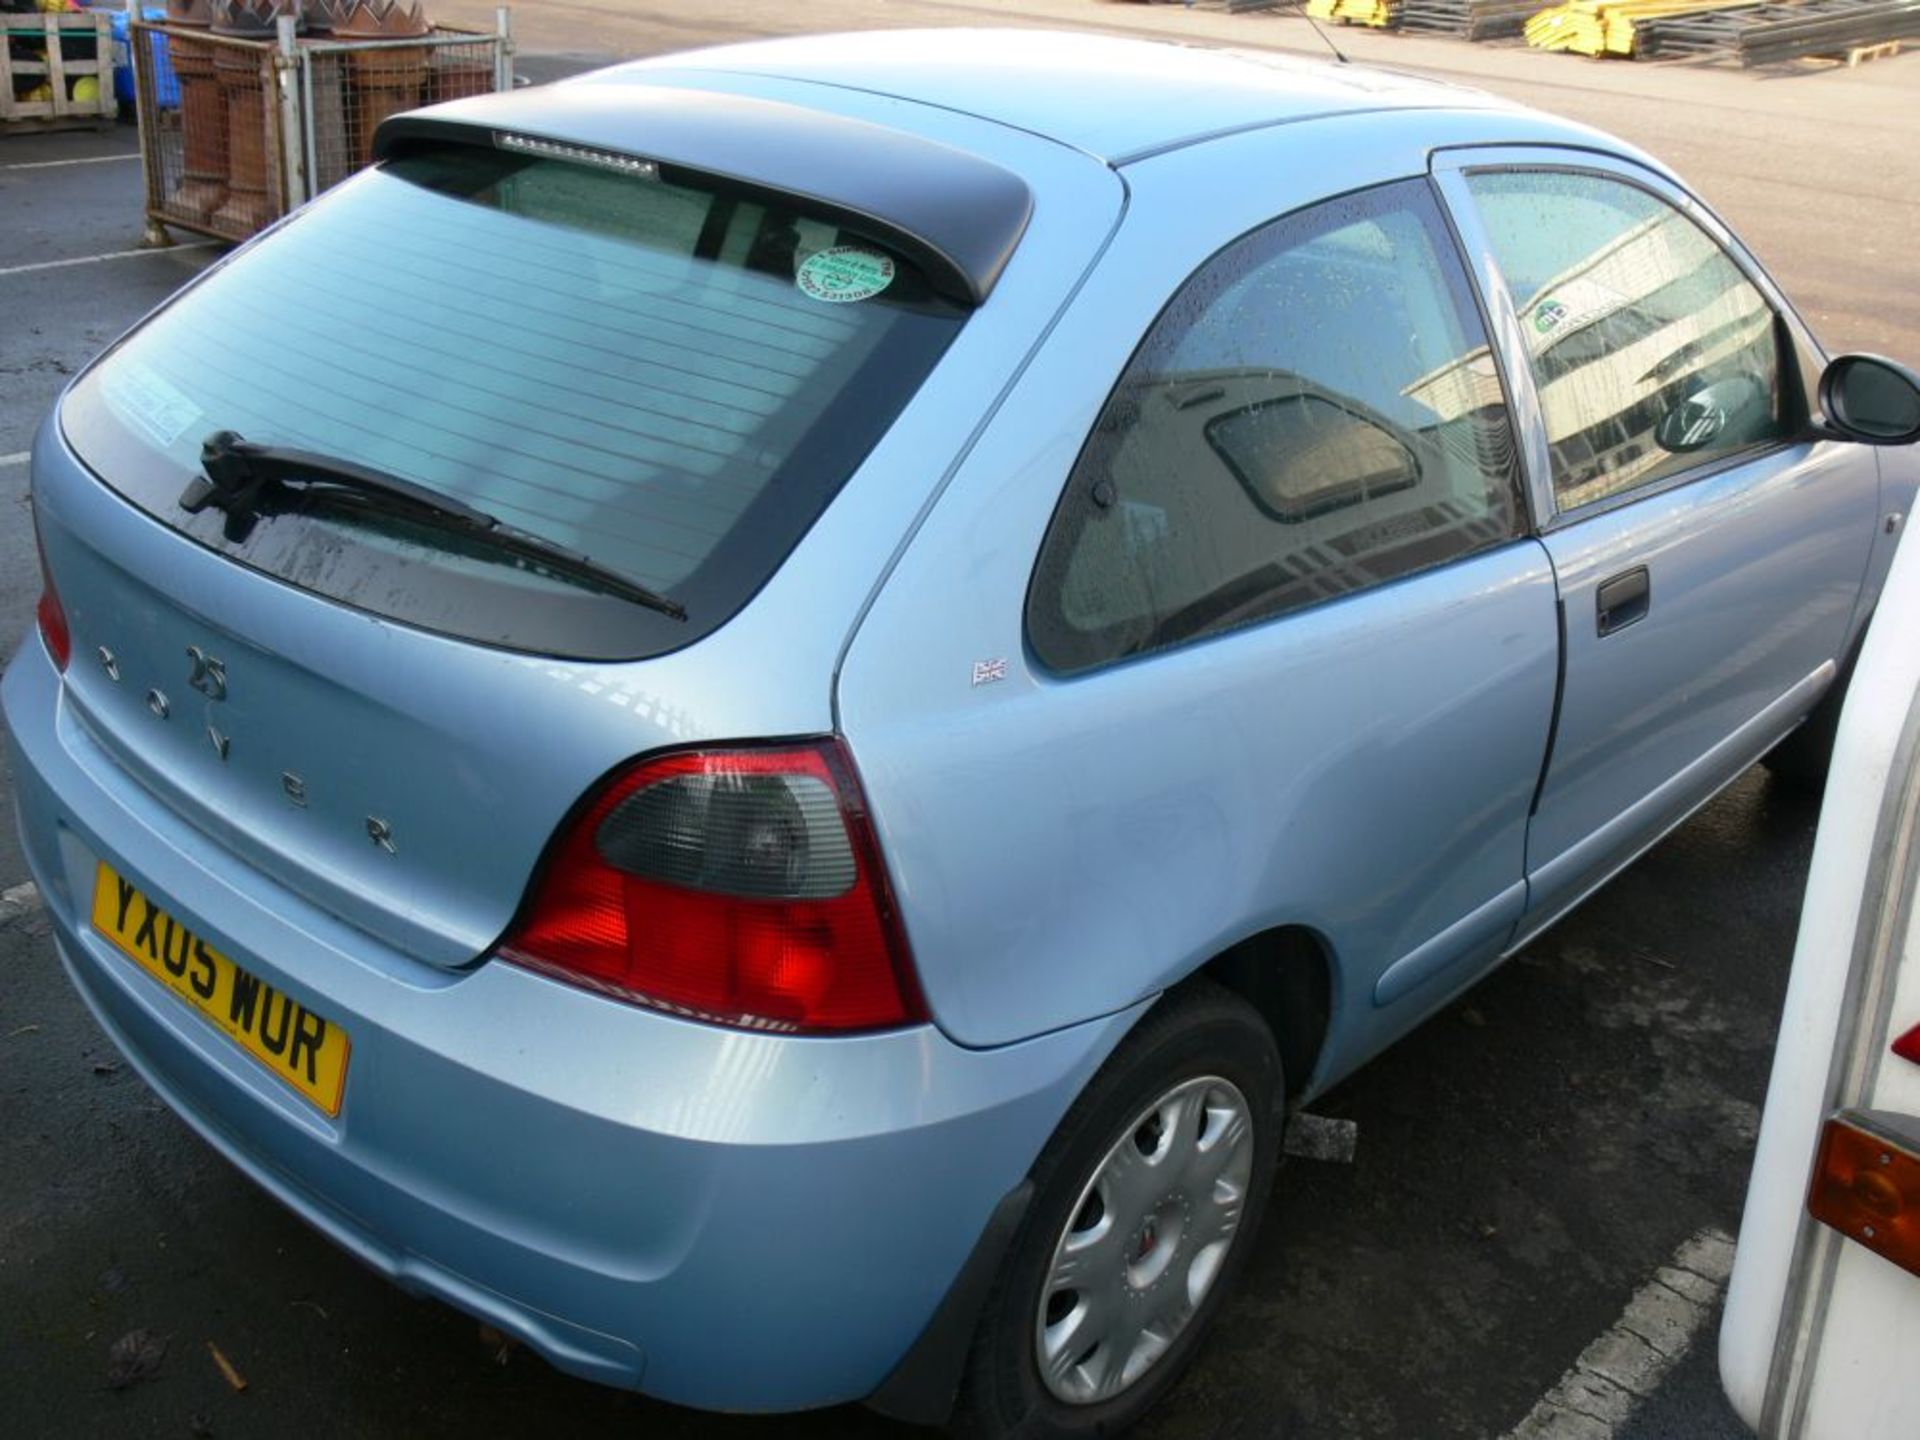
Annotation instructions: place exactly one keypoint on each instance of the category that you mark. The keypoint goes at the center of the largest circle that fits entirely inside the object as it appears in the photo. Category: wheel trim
(1145, 1241)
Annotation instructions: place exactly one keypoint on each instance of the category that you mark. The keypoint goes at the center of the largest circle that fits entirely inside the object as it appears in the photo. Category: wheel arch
(1286, 974)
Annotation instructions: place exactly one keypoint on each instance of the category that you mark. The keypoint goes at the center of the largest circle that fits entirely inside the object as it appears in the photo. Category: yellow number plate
(307, 1052)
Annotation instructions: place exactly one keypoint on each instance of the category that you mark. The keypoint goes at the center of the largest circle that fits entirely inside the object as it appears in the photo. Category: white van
(1822, 1329)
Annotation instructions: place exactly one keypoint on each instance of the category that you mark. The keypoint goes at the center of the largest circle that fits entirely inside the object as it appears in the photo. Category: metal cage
(235, 133)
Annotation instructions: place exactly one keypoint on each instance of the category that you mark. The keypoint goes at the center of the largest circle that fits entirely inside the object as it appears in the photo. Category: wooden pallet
(1857, 56)
(57, 72)
(1861, 54)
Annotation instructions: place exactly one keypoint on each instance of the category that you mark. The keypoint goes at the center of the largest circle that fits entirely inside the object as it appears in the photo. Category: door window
(1315, 412)
(1651, 351)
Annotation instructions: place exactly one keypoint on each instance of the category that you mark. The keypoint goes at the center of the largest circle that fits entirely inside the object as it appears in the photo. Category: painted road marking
(56, 164)
(1625, 1365)
(19, 457)
(110, 255)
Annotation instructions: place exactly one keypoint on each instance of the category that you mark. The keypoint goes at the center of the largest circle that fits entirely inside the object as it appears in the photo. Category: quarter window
(1651, 350)
(1315, 412)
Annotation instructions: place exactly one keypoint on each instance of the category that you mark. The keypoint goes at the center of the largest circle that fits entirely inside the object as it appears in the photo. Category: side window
(1651, 351)
(1315, 412)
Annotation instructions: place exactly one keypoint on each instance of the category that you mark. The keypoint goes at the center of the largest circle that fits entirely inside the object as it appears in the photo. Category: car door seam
(1559, 698)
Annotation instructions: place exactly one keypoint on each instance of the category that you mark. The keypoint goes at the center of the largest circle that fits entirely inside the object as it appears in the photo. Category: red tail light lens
(1907, 1047)
(52, 617)
(742, 887)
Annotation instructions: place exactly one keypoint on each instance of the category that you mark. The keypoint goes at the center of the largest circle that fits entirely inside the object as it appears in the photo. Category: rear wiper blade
(240, 474)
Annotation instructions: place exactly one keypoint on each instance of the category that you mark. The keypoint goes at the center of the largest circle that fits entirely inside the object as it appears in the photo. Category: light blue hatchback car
(760, 716)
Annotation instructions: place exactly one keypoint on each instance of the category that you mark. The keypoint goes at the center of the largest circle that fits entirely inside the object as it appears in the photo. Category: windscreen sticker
(842, 274)
(140, 395)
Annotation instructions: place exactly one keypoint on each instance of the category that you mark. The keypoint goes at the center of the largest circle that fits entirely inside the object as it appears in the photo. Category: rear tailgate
(395, 733)
(328, 720)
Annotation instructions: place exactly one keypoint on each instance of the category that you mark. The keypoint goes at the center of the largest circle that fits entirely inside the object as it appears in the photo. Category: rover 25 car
(760, 715)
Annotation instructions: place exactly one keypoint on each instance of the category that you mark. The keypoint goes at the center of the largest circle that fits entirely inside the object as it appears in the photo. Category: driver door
(1707, 558)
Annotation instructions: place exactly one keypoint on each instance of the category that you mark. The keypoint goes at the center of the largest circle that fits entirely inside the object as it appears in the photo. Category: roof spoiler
(955, 215)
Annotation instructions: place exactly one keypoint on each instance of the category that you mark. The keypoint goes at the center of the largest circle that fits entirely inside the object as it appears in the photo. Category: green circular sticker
(844, 273)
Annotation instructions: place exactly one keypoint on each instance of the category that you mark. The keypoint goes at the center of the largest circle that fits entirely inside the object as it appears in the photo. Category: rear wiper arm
(240, 474)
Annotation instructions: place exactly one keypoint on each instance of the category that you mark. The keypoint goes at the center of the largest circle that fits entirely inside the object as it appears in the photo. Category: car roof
(1115, 99)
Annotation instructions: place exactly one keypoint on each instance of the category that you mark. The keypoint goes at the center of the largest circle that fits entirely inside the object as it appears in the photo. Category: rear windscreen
(630, 362)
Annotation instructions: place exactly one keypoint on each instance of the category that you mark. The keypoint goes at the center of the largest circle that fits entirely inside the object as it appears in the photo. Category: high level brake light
(51, 615)
(742, 887)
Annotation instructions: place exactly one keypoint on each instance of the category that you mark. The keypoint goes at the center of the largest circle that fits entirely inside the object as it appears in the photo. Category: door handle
(1620, 601)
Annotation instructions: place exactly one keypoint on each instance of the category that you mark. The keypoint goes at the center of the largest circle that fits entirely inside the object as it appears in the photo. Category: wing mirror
(1871, 399)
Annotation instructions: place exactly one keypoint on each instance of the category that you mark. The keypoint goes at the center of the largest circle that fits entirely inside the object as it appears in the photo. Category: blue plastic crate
(166, 85)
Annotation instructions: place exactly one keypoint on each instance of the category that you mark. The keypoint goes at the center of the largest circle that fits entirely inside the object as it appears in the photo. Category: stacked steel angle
(1606, 27)
(1234, 5)
(1469, 19)
(1768, 34)
(1377, 13)
(1754, 33)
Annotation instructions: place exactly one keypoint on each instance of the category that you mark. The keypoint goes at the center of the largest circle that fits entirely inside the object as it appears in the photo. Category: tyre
(1145, 1204)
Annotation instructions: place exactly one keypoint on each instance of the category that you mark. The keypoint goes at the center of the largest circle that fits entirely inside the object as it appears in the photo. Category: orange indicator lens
(1866, 1185)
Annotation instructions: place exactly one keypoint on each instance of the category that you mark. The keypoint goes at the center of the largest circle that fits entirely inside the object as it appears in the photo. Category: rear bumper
(723, 1219)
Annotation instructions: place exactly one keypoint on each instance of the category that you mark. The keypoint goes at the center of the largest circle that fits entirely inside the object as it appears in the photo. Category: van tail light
(51, 614)
(1907, 1047)
(1866, 1185)
(743, 887)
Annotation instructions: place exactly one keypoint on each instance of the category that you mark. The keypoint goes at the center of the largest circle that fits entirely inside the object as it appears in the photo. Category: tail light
(1907, 1047)
(1866, 1185)
(51, 615)
(743, 887)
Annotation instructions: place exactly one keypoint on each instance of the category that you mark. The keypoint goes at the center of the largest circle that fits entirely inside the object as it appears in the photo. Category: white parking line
(1625, 1365)
(56, 164)
(111, 255)
(17, 459)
